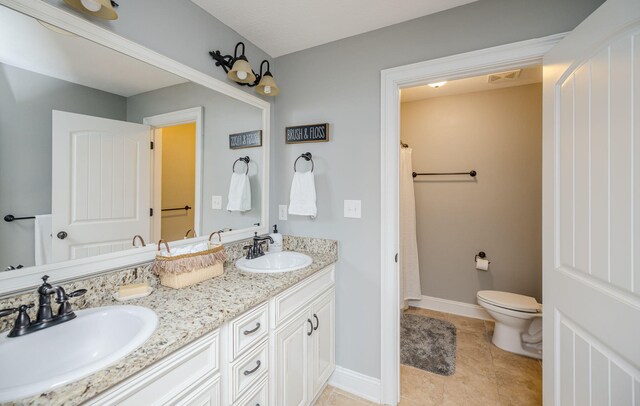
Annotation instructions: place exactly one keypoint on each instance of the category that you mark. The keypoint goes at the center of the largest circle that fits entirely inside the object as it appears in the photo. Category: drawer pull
(310, 325)
(317, 322)
(257, 327)
(254, 369)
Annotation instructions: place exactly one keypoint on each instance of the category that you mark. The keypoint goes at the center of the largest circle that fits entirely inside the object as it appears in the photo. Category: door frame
(480, 62)
(192, 115)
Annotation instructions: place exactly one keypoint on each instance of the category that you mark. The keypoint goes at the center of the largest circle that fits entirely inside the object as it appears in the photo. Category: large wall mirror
(97, 146)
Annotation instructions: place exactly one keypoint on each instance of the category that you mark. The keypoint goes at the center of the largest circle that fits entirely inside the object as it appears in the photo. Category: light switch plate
(353, 209)
(216, 202)
(282, 212)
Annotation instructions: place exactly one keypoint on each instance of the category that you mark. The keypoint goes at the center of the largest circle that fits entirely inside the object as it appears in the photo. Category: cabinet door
(292, 350)
(323, 340)
(206, 394)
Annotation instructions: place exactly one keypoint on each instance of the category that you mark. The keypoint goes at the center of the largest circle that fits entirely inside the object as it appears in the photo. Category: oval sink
(47, 359)
(275, 262)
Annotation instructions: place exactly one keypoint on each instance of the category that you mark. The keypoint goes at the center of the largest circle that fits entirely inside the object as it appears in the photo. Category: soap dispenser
(276, 245)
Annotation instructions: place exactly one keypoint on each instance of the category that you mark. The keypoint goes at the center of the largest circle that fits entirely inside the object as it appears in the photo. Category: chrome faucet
(45, 317)
(256, 250)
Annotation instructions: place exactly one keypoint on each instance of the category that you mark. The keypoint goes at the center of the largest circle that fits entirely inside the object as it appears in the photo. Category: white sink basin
(275, 262)
(47, 359)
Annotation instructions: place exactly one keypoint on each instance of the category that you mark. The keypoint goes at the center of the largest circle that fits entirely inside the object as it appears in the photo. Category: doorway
(177, 172)
(497, 59)
(470, 182)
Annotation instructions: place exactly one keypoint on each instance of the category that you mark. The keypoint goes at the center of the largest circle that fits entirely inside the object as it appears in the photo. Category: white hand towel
(239, 198)
(302, 200)
(43, 242)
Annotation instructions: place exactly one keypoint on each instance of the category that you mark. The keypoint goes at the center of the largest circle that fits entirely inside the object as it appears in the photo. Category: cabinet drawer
(248, 329)
(168, 378)
(258, 395)
(250, 368)
(206, 393)
(296, 297)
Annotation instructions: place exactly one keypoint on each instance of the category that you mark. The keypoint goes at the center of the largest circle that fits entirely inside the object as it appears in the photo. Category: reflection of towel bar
(10, 217)
(178, 208)
(470, 173)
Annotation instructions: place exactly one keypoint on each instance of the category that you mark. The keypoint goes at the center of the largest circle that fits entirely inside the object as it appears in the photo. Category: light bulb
(267, 89)
(242, 75)
(91, 5)
(437, 84)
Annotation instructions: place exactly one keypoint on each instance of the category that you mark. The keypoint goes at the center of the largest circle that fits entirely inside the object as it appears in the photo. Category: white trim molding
(451, 306)
(13, 282)
(475, 63)
(356, 383)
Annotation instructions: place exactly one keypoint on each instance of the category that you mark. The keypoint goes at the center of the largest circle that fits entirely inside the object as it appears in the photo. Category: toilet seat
(510, 301)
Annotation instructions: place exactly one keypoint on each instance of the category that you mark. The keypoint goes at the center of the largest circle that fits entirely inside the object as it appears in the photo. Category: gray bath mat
(428, 344)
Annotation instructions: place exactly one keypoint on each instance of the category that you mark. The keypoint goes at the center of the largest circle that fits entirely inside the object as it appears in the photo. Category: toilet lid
(509, 300)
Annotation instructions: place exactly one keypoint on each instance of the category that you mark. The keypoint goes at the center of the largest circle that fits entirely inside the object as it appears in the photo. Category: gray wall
(339, 83)
(222, 116)
(498, 133)
(26, 101)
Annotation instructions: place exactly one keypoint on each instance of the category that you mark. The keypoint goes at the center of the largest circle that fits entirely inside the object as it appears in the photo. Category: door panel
(101, 184)
(323, 351)
(292, 362)
(592, 211)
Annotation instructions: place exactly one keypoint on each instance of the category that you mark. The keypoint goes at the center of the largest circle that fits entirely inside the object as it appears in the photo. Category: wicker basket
(185, 270)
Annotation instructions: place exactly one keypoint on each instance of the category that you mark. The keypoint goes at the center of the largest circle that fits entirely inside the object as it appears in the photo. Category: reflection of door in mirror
(175, 175)
(100, 185)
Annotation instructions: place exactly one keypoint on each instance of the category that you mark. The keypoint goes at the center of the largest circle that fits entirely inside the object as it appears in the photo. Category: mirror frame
(12, 282)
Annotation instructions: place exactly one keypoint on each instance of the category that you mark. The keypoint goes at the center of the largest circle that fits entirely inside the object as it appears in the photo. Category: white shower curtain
(409, 266)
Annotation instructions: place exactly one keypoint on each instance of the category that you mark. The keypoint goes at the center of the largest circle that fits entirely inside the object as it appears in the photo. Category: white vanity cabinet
(281, 352)
(304, 339)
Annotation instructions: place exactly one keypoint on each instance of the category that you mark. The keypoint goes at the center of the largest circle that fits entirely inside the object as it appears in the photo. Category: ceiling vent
(501, 77)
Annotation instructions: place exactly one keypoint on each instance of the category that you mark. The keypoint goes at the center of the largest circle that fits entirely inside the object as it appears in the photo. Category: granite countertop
(184, 316)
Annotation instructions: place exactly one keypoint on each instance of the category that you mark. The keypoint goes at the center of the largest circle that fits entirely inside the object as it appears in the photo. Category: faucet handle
(77, 293)
(8, 311)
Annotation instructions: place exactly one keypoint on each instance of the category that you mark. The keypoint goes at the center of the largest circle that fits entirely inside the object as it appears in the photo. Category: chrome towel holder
(244, 159)
(307, 157)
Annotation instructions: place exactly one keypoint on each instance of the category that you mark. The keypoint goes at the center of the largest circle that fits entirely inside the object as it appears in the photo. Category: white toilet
(518, 321)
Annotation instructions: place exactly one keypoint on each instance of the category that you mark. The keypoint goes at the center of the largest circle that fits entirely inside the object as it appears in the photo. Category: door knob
(62, 235)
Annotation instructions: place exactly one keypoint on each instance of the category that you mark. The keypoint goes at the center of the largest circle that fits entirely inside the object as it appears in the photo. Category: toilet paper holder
(480, 254)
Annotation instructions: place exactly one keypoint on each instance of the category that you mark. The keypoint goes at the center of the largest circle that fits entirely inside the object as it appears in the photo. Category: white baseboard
(356, 383)
(451, 306)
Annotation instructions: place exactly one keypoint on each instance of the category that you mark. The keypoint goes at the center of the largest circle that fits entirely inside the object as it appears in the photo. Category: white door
(101, 185)
(591, 215)
(292, 344)
(323, 341)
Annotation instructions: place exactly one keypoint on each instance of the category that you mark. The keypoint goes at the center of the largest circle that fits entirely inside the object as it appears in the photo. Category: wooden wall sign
(307, 133)
(247, 139)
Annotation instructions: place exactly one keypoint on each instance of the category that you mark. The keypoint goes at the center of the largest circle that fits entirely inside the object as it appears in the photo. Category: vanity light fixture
(239, 70)
(438, 84)
(98, 8)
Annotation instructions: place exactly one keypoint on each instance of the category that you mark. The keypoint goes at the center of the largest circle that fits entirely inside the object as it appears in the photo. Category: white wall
(498, 133)
(339, 83)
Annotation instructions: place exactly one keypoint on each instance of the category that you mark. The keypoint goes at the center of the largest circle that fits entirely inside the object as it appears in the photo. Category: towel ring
(307, 157)
(244, 159)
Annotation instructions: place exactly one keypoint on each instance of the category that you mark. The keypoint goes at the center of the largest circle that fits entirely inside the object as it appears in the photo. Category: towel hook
(307, 157)
(244, 159)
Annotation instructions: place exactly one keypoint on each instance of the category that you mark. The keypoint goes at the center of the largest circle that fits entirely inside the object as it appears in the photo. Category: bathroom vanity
(238, 339)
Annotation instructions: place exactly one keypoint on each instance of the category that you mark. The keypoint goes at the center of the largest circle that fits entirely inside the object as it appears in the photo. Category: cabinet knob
(62, 235)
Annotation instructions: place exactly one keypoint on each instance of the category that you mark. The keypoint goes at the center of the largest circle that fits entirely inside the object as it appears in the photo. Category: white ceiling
(469, 85)
(28, 45)
(280, 27)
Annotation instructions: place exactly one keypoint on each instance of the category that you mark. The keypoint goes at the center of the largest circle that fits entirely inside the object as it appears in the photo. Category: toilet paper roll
(482, 264)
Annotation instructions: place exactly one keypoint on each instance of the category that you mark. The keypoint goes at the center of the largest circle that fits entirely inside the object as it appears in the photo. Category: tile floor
(485, 375)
